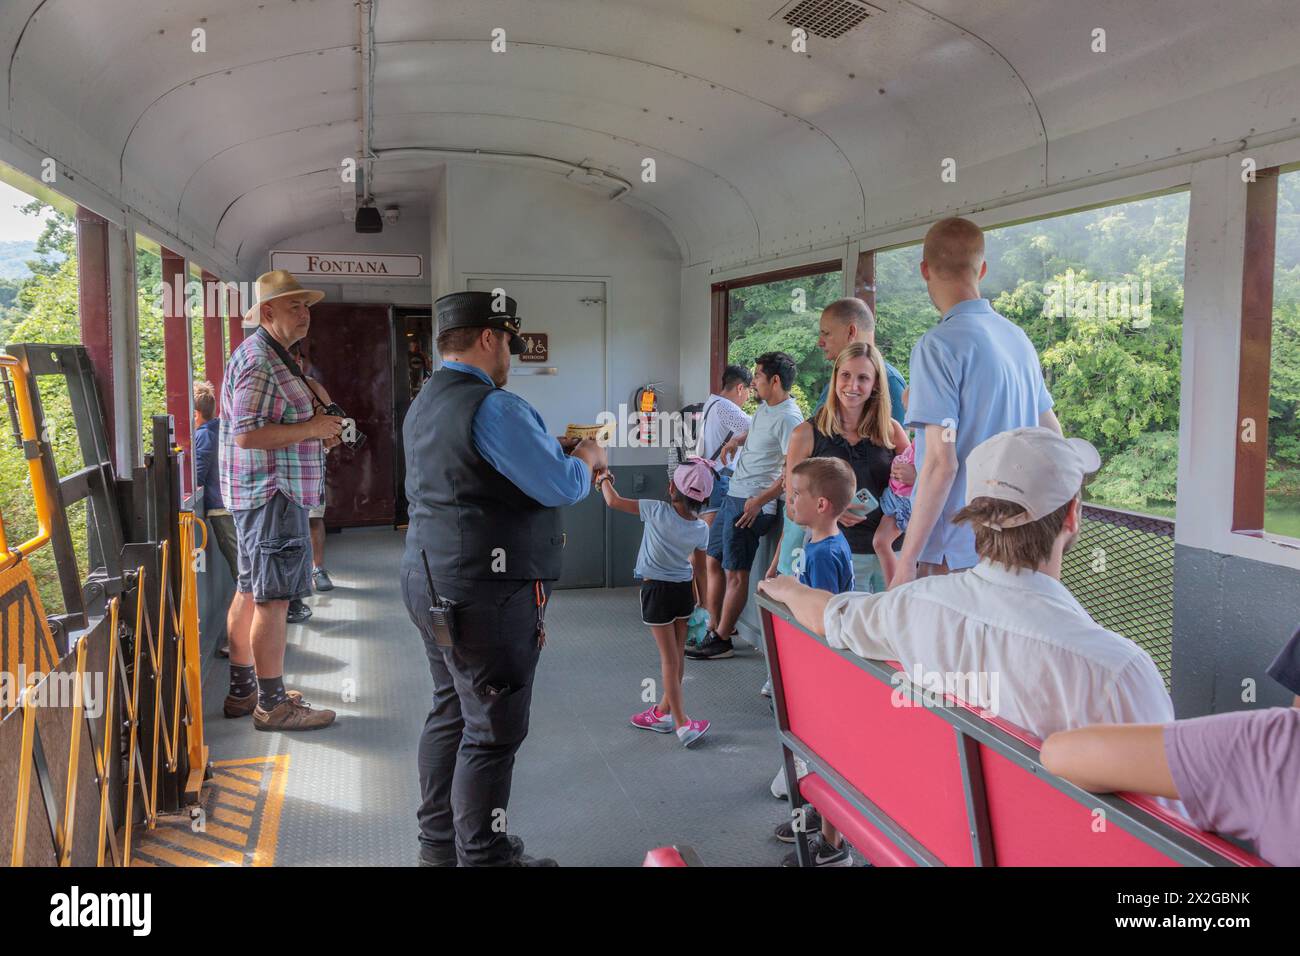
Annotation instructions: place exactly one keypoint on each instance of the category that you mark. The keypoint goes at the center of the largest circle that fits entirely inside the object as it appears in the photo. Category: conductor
(485, 484)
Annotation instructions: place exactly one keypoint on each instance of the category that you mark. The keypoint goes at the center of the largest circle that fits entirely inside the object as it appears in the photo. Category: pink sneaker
(653, 720)
(689, 733)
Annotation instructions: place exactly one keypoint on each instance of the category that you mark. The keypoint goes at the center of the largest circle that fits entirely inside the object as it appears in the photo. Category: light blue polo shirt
(978, 373)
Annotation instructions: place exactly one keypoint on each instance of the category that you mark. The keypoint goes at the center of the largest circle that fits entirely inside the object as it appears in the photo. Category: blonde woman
(855, 426)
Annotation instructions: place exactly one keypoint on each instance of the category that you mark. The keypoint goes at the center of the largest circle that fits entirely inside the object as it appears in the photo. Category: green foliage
(1145, 474)
(763, 319)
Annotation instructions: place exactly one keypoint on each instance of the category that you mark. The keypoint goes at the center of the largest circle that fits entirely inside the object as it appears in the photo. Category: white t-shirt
(1037, 658)
(762, 458)
(719, 416)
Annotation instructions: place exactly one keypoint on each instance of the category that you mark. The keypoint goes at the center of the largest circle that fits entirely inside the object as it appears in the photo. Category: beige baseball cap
(1033, 467)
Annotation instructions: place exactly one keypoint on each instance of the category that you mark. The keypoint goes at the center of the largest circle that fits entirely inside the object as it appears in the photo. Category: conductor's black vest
(472, 521)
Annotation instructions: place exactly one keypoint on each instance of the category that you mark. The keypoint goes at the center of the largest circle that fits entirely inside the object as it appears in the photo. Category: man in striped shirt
(274, 435)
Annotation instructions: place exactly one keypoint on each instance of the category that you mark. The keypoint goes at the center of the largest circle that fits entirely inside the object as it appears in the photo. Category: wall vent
(828, 19)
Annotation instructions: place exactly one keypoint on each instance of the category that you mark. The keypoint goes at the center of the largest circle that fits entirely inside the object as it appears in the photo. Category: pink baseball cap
(694, 479)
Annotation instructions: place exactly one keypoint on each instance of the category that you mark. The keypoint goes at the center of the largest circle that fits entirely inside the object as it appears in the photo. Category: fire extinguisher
(645, 402)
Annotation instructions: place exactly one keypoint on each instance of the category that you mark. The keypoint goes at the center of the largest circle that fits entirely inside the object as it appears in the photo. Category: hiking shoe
(812, 823)
(321, 579)
(713, 648)
(292, 714)
(243, 706)
(822, 853)
(433, 857)
(653, 720)
(691, 732)
(298, 611)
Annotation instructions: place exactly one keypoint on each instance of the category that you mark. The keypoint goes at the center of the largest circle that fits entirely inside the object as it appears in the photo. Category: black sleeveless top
(870, 464)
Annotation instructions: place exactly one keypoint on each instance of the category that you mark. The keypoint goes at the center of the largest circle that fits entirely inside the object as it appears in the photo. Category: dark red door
(349, 348)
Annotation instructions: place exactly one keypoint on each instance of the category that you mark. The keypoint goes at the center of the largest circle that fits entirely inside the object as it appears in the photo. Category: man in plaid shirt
(274, 437)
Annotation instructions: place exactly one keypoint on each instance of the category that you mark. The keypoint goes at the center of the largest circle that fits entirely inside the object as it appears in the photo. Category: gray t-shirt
(667, 542)
(1239, 775)
(762, 458)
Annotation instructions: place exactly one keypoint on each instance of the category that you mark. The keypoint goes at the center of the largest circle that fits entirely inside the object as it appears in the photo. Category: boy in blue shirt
(821, 489)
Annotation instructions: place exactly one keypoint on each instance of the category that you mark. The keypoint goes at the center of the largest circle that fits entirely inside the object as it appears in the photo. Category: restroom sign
(537, 348)
(350, 265)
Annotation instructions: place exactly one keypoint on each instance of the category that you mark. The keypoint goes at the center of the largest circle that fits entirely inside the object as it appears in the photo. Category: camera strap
(292, 366)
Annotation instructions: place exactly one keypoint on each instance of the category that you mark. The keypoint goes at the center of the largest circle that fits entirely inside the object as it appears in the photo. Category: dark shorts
(721, 482)
(274, 551)
(663, 602)
(736, 547)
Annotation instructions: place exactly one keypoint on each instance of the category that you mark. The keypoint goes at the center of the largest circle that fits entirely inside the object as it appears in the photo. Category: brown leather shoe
(243, 706)
(292, 714)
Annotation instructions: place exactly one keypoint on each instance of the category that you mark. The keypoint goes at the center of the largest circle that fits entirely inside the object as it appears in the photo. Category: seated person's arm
(808, 605)
(1111, 757)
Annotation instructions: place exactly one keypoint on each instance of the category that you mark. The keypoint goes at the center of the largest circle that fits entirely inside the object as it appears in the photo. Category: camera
(351, 436)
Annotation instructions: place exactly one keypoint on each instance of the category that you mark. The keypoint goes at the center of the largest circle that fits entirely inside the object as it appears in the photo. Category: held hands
(588, 450)
(567, 443)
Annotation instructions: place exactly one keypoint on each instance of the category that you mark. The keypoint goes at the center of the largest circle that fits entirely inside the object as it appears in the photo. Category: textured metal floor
(589, 789)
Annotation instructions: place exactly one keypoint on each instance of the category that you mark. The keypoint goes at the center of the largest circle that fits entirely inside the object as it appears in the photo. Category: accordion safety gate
(101, 726)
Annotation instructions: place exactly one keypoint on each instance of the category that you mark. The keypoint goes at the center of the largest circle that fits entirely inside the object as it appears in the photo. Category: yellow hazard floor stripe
(219, 835)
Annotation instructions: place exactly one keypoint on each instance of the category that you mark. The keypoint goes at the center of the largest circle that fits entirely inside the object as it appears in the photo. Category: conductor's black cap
(480, 310)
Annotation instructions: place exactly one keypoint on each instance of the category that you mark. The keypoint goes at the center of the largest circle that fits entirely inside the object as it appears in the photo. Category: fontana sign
(350, 265)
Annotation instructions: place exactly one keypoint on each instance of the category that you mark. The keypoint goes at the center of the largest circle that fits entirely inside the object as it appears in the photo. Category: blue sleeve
(896, 386)
(936, 391)
(1286, 668)
(822, 572)
(510, 434)
(203, 458)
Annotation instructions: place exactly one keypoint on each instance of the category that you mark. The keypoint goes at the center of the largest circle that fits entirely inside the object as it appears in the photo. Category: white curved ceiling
(759, 150)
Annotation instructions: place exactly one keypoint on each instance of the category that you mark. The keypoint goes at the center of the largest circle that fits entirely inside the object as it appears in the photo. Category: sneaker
(766, 689)
(714, 648)
(223, 650)
(653, 720)
(689, 733)
(292, 714)
(298, 611)
(822, 853)
(321, 579)
(243, 706)
(779, 789)
(812, 823)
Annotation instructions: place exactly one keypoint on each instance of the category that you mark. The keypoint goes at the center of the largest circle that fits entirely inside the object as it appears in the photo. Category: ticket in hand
(597, 432)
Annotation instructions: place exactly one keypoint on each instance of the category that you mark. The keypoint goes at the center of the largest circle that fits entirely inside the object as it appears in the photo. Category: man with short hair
(273, 444)
(207, 441)
(844, 322)
(1009, 621)
(974, 375)
(485, 484)
(749, 509)
(721, 420)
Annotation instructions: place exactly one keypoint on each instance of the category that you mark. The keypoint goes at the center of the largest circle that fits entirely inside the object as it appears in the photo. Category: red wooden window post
(214, 356)
(93, 309)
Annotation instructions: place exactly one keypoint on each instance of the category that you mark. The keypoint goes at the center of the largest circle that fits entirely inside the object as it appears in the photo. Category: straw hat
(276, 285)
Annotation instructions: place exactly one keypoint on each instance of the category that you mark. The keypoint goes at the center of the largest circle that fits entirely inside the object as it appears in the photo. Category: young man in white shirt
(749, 509)
(1009, 621)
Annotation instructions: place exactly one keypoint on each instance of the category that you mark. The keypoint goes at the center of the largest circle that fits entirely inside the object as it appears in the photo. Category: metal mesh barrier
(1122, 571)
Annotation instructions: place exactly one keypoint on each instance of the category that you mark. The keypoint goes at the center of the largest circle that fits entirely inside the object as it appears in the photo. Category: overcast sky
(13, 224)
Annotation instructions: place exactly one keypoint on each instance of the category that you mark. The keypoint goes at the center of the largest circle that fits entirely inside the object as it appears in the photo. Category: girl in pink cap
(674, 538)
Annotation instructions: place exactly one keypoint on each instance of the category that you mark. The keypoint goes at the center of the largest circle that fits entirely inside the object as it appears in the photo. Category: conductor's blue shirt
(512, 437)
